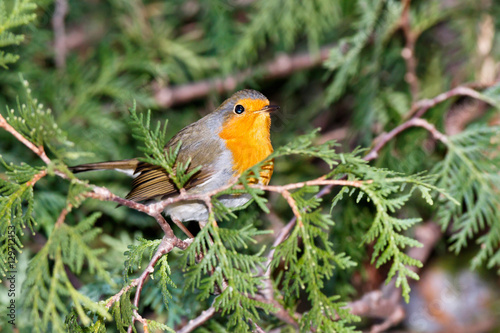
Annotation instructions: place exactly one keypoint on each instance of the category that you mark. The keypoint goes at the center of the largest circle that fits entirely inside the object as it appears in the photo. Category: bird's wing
(153, 181)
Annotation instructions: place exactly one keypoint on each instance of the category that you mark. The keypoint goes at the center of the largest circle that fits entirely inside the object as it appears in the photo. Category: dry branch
(198, 321)
(384, 138)
(408, 52)
(167, 244)
(419, 108)
(282, 65)
(60, 47)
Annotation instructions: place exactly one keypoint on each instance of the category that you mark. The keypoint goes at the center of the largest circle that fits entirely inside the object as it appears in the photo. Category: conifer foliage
(338, 206)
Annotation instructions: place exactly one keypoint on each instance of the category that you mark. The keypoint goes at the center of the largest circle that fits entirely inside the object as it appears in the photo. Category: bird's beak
(270, 108)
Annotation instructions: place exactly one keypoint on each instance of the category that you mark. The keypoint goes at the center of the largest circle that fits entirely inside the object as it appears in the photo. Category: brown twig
(167, 244)
(142, 320)
(198, 321)
(257, 329)
(418, 109)
(37, 150)
(280, 66)
(384, 138)
(37, 177)
(116, 297)
(62, 215)
(408, 52)
(60, 13)
(315, 182)
(281, 313)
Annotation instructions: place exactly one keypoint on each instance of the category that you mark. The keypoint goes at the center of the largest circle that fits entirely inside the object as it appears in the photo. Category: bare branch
(167, 244)
(60, 13)
(420, 108)
(257, 329)
(384, 138)
(280, 66)
(408, 52)
(62, 215)
(281, 314)
(198, 321)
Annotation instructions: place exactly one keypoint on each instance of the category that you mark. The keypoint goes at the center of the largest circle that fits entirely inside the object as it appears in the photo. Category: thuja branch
(167, 244)
(284, 190)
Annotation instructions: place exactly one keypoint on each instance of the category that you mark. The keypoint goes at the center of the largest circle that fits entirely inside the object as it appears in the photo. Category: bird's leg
(202, 224)
(182, 227)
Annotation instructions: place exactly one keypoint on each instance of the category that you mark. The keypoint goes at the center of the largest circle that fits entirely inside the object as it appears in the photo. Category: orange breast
(248, 139)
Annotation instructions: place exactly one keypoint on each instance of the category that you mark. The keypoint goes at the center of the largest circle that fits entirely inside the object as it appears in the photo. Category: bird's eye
(239, 109)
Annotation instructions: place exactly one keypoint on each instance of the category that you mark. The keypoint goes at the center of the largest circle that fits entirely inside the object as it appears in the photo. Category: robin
(224, 143)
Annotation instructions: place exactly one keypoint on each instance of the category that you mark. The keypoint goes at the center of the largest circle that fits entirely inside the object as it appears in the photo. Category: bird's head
(246, 114)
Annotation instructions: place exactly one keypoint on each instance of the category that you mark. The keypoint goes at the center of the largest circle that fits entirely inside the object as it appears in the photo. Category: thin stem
(408, 52)
(198, 321)
(384, 138)
(421, 107)
(37, 150)
(61, 10)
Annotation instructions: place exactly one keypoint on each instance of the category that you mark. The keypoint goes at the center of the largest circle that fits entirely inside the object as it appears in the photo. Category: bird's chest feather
(248, 140)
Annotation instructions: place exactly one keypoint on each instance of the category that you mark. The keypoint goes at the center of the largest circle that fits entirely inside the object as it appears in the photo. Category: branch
(280, 66)
(37, 177)
(62, 215)
(257, 329)
(419, 108)
(384, 138)
(167, 244)
(37, 150)
(281, 314)
(198, 321)
(170, 240)
(319, 181)
(408, 52)
(60, 49)
(143, 321)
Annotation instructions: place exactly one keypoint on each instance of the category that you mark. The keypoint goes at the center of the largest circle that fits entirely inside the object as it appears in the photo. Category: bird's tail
(124, 165)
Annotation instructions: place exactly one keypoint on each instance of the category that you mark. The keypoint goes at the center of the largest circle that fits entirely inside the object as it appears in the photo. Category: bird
(224, 143)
